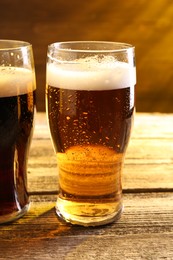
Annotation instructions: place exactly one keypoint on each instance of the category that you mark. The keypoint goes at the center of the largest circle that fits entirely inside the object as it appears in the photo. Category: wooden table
(145, 230)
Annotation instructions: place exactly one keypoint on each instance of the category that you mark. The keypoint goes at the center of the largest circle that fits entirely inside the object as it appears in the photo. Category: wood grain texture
(145, 24)
(145, 231)
(148, 163)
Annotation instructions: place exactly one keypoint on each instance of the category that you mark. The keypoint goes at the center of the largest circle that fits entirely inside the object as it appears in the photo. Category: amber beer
(17, 106)
(90, 107)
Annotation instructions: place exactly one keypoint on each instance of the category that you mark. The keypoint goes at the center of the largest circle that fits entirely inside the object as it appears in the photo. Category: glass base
(15, 215)
(88, 214)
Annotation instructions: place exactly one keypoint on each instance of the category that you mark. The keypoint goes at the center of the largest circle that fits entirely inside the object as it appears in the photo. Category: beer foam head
(16, 81)
(91, 74)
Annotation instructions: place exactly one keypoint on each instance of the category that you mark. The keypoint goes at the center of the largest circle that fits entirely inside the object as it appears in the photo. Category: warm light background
(146, 24)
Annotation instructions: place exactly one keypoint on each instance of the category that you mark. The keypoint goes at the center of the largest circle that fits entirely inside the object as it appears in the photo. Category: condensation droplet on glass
(117, 99)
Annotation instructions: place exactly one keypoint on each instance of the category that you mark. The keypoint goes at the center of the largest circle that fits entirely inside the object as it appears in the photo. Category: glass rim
(116, 46)
(6, 44)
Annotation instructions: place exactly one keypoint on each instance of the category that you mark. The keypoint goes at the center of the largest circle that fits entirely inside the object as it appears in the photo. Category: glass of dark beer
(17, 108)
(90, 103)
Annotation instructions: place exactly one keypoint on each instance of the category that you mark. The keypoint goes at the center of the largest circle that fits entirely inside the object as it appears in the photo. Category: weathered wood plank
(146, 125)
(140, 176)
(148, 163)
(145, 231)
(139, 246)
(143, 149)
(153, 125)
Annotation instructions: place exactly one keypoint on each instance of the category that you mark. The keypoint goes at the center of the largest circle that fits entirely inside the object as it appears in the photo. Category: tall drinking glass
(17, 105)
(90, 108)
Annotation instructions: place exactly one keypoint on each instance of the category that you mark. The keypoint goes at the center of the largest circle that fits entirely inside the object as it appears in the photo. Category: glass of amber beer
(17, 106)
(90, 107)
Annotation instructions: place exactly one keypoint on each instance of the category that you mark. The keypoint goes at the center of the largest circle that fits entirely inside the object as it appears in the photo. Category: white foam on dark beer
(91, 75)
(16, 81)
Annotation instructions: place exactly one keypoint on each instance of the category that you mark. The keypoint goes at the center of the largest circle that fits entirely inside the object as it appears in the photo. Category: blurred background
(146, 24)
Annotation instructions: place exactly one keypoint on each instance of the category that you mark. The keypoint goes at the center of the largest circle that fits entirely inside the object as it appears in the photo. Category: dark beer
(90, 117)
(17, 105)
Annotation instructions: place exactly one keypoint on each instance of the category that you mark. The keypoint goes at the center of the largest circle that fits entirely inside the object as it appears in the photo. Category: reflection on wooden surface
(145, 24)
